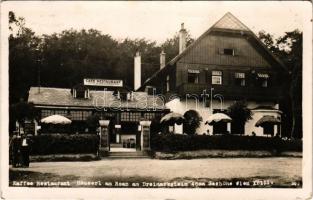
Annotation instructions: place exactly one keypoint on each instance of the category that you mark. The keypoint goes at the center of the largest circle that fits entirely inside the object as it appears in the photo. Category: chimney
(137, 71)
(162, 59)
(182, 38)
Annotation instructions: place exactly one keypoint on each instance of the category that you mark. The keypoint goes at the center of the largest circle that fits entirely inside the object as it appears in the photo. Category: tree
(288, 48)
(93, 122)
(22, 58)
(192, 121)
(240, 114)
(19, 112)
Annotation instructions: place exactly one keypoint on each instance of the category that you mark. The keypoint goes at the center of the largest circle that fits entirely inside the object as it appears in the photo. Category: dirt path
(165, 170)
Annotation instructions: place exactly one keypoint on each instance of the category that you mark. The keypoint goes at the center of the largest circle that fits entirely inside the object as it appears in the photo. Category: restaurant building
(123, 114)
(227, 63)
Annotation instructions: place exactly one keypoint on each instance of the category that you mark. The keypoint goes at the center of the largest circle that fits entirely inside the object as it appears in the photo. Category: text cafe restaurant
(125, 116)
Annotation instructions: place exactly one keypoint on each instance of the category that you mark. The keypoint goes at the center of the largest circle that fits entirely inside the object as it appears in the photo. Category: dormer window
(150, 90)
(130, 96)
(123, 94)
(81, 92)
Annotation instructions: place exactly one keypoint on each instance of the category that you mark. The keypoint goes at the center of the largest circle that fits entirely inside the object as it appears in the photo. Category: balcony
(232, 91)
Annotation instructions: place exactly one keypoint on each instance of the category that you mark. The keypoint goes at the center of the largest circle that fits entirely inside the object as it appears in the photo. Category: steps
(123, 155)
(116, 145)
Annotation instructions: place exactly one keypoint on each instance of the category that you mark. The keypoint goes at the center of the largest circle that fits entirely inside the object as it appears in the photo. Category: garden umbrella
(172, 118)
(56, 119)
(218, 117)
(267, 120)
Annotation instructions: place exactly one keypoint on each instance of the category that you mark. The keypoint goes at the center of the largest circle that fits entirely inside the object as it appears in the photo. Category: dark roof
(227, 22)
(102, 99)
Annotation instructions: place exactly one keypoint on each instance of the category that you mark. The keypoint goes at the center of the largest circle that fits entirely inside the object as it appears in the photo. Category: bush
(173, 143)
(191, 122)
(64, 144)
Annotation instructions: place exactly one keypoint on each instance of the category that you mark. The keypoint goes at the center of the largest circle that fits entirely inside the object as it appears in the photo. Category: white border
(64, 193)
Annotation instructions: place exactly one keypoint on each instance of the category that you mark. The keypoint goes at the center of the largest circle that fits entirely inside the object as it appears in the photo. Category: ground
(272, 172)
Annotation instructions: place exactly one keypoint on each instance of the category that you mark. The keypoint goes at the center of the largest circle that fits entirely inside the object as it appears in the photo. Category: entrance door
(129, 132)
(112, 132)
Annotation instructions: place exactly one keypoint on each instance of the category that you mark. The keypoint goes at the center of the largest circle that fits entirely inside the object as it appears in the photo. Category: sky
(156, 21)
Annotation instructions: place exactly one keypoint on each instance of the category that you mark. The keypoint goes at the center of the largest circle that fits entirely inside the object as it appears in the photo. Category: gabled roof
(227, 22)
(62, 97)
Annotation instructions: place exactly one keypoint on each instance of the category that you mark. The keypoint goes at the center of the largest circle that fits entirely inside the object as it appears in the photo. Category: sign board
(103, 82)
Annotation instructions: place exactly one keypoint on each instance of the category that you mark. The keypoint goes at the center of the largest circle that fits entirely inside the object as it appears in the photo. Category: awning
(194, 71)
(263, 75)
(267, 120)
(218, 117)
(172, 118)
(56, 119)
(240, 75)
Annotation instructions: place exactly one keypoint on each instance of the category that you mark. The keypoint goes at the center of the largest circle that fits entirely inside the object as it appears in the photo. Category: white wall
(258, 114)
(181, 106)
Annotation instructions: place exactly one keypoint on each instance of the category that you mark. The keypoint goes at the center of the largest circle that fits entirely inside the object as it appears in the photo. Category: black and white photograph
(175, 97)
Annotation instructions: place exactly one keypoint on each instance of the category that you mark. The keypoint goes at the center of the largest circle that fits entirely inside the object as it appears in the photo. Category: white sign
(103, 82)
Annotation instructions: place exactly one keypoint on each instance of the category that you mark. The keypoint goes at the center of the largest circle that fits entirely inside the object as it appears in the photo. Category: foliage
(76, 54)
(22, 58)
(171, 45)
(240, 114)
(92, 122)
(289, 49)
(191, 122)
(22, 111)
(64, 144)
(178, 142)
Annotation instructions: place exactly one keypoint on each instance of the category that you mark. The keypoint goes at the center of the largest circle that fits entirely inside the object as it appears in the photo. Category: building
(122, 112)
(225, 64)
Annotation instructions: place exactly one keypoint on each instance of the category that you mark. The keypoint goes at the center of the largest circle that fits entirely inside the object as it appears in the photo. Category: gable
(229, 21)
(208, 51)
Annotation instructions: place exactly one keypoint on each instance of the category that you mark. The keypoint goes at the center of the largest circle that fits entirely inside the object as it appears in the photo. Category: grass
(222, 154)
(63, 157)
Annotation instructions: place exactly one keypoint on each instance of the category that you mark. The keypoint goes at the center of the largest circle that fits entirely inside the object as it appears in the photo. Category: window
(61, 112)
(86, 114)
(149, 116)
(76, 115)
(230, 52)
(130, 116)
(167, 83)
(216, 78)
(240, 79)
(193, 76)
(46, 113)
(262, 79)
